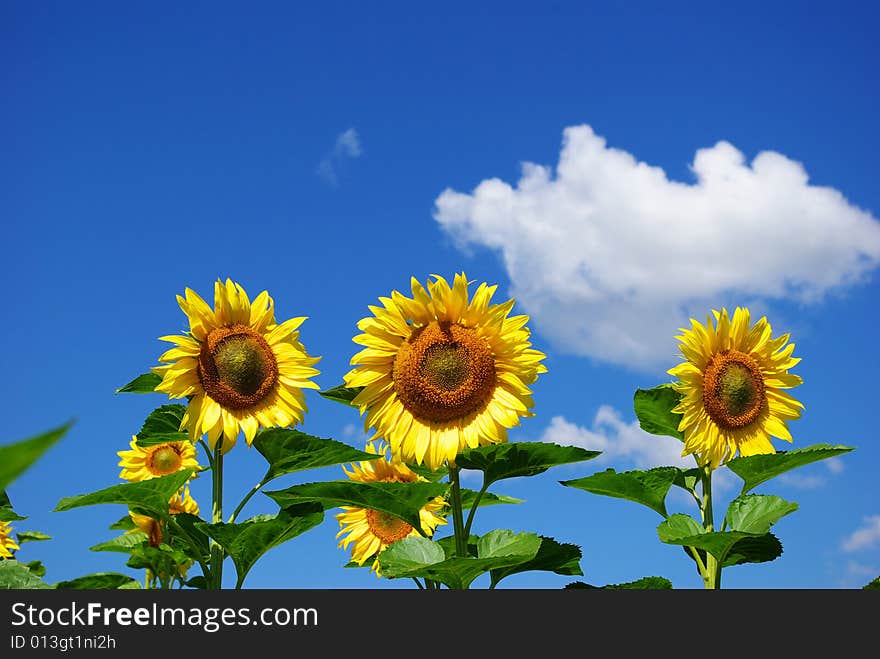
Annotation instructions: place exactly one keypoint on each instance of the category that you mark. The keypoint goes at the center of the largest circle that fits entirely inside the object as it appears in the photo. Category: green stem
(217, 515)
(473, 510)
(418, 583)
(247, 497)
(712, 575)
(457, 516)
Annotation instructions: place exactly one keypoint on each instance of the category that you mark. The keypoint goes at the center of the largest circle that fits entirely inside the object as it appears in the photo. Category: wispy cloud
(346, 147)
(865, 537)
(610, 257)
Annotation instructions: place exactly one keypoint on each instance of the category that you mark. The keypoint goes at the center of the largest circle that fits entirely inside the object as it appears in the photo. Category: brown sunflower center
(237, 367)
(165, 460)
(388, 528)
(444, 371)
(733, 389)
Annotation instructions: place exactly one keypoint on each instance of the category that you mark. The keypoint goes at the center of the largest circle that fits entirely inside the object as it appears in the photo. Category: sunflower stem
(247, 497)
(418, 583)
(217, 514)
(473, 510)
(457, 516)
(712, 575)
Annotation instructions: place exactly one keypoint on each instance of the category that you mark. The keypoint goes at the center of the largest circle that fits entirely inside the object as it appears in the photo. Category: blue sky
(329, 153)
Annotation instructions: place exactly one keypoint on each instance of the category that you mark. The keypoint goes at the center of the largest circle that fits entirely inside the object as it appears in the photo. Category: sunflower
(732, 387)
(441, 373)
(241, 369)
(372, 530)
(181, 502)
(145, 462)
(7, 544)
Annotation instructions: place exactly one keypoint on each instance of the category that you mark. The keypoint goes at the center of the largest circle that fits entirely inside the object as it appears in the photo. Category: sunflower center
(165, 460)
(733, 389)
(444, 371)
(237, 367)
(388, 528)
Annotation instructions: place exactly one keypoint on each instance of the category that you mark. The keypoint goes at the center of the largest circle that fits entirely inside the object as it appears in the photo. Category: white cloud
(865, 537)
(834, 465)
(347, 146)
(610, 257)
(802, 481)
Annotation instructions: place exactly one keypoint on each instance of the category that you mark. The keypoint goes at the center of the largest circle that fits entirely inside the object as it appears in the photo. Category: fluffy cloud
(865, 536)
(610, 257)
(347, 146)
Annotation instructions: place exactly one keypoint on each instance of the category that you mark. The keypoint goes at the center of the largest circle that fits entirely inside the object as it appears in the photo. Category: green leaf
(683, 530)
(31, 536)
(37, 568)
(123, 524)
(16, 458)
(552, 556)
(488, 499)
(688, 479)
(756, 513)
(247, 541)
(163, 425)
(654, 410)
(342, 394)
(189, 526)
(9, 515)
(123, 544)
(152, 495)
(645, 583)
(420, 557)
(873, 585)
(198, 582)
(679, 526)
(99, 581)
(648, 488)
(513, 459)
(427, 474)
(754, 549)
(757, 469)
(288, 450)
(403, 500)
(16, 576)
(142, 384)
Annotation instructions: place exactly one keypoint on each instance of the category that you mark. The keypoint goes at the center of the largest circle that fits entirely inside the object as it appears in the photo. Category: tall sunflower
(371, 531)
(241, 369)
(442, 372)
(7, 544)
(732, 386)
(145, 462)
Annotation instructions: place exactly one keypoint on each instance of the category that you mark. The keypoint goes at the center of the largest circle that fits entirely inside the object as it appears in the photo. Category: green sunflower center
(388, 528)
(733, 389)
(444, 372)
(237, 367)
(165, 460)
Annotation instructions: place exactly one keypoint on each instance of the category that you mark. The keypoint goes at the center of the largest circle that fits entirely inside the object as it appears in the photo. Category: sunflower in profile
(441, 372)
(7, 544)
(145, 462)
(371, 531)
(732, 385)
(241, 369)
(181, 502)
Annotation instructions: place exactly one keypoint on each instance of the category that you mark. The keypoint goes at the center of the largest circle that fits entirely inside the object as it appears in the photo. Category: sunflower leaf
(488, 499)
(17, 576)
(163, 425)
(645, 583)
(31, 536)
(403, 500)
(552, 556)
(342, 394)
(514, 459)
(100, 581)
(683, 530)
(648, 488)
(145, 383)
(247, 541)
(37, 568)
(420, 557)
(287, 450)
(753, 549)
(757, 469)
(122, 524)
(16, 458)
(7, 514)
(151, 496)
(123, 544)
(756, 513)
(872, 585)
(653, 409)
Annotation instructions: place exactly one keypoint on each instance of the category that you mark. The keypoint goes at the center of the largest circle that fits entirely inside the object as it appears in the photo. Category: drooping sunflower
(7, 544)
(371, 531)
(241, 368)
(145, 462)
(181, 502)
(442, 372)
(732, 385)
